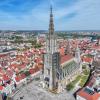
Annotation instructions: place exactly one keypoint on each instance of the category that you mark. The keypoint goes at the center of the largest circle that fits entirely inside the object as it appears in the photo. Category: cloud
(34, 14)
(86, 11)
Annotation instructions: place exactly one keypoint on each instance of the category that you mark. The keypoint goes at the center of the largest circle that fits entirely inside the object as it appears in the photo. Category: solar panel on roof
(87, 90)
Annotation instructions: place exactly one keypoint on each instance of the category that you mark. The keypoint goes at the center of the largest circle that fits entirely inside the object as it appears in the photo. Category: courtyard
(33, 91)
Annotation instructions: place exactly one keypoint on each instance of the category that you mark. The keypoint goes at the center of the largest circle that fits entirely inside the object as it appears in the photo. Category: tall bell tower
(51, 58)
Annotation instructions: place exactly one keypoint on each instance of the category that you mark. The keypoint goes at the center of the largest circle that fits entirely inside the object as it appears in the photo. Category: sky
(34, 14)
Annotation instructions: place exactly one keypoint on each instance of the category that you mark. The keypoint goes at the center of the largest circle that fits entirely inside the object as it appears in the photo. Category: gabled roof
(17, 78)
(87, 59)
(32, 71)
(96, 47)
(4, 55)
(88, 95)
(62, 51)
(6, 78)
(66, 58)
(1, 88)
(22, 76)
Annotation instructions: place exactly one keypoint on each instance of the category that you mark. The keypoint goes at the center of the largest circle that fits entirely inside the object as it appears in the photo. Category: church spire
(51, 9)
(51, 58)
(51, 24)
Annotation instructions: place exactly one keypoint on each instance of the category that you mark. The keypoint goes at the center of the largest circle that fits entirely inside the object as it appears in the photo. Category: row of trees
(19, 40)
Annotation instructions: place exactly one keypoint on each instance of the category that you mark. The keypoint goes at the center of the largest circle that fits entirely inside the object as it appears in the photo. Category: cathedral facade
(58, 70)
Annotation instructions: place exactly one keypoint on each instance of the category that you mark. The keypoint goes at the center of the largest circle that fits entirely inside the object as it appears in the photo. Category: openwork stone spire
(51, 24)
(52, 43)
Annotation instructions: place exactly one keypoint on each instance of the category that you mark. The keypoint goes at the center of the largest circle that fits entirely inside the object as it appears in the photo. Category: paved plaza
(32, 91)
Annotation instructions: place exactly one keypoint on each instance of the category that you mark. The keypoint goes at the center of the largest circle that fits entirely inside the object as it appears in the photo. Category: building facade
(96, 64)
(59, 70)
(51, 58)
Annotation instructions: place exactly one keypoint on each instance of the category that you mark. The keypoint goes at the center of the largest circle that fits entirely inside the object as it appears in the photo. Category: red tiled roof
(38, 60)
(3, 55)
(23, 76)
(6, 78)
(87, 59)
(22, 66)
(0, 80)
(14, 65)
(66, 58)
(18, 78)
(62, 51)
(87, 96)
(1, 87)
(96, 47)
(32, 71)
(42, 51)
(40, 65)
(1, 71)
(16, 70)
(9, 73)
(36, 69)
(87, 51)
